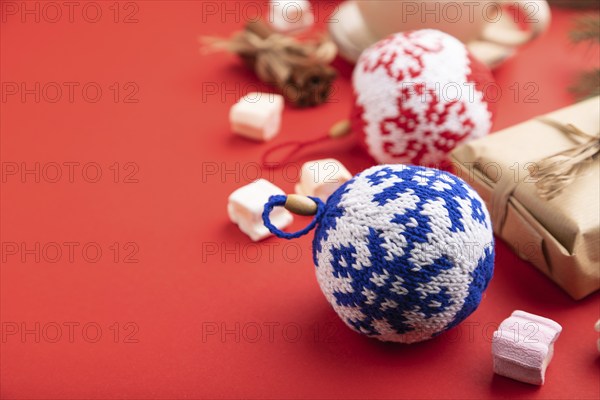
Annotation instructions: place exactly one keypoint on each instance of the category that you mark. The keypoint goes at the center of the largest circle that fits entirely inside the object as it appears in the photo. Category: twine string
(553, 173)
(293, 147)
(276, 55)
(556, 172)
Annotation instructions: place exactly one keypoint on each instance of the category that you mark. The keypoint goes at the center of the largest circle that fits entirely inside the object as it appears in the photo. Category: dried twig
(300, 70)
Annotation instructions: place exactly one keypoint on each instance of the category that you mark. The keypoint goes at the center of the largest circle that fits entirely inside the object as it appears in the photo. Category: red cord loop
(294, 147)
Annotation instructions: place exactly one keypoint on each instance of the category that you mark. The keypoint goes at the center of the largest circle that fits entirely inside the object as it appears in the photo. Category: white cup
(489, 27)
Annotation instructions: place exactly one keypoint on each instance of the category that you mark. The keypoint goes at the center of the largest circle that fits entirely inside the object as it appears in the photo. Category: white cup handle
(506, 32)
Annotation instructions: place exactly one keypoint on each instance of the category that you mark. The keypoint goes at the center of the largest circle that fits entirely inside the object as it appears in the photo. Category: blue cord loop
(279, 201)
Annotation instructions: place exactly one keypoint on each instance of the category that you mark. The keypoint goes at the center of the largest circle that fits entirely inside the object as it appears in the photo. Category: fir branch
(588, 84)
(576, 3)
(587, 28)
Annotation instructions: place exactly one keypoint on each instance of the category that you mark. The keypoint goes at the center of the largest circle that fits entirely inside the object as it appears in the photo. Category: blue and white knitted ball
(404, 253)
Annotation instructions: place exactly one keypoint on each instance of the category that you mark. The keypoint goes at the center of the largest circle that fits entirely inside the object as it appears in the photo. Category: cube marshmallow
(320, 178)
(257, 115)
(245, 208)
(291, 16)
(523, 346)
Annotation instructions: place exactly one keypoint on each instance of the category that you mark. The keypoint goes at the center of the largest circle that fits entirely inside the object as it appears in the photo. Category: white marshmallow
(523, 346)
(246, 205)
(320, 178)
(257, 115)
(291, 15)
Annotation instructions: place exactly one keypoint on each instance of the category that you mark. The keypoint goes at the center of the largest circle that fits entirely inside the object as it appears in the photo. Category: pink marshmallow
(257, 116)
(320, 178)
(291, 16)
(523, 346)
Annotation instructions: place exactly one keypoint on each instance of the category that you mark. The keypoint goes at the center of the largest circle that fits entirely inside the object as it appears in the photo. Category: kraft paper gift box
(559, 235)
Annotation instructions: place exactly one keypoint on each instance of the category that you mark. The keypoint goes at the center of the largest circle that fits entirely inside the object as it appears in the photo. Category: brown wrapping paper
(560, 236)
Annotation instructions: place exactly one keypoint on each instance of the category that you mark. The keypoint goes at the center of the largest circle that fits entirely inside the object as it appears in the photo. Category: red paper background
(212, 314)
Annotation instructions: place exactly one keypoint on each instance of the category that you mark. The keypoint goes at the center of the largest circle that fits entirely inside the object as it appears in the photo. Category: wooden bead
(340, 129)
(300, 205)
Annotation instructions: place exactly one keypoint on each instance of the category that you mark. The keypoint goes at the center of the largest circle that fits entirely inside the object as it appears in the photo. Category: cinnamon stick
(300, 70)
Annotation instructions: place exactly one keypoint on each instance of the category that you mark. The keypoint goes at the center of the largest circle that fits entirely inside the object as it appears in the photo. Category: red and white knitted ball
(417, 96)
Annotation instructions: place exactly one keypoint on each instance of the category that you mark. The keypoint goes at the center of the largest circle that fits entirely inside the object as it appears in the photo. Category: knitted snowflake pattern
(404, 253)
(418, 95)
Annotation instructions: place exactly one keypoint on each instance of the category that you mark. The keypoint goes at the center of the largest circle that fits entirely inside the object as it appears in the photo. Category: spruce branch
(588, 84)
(587, 28)
(576, 3)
